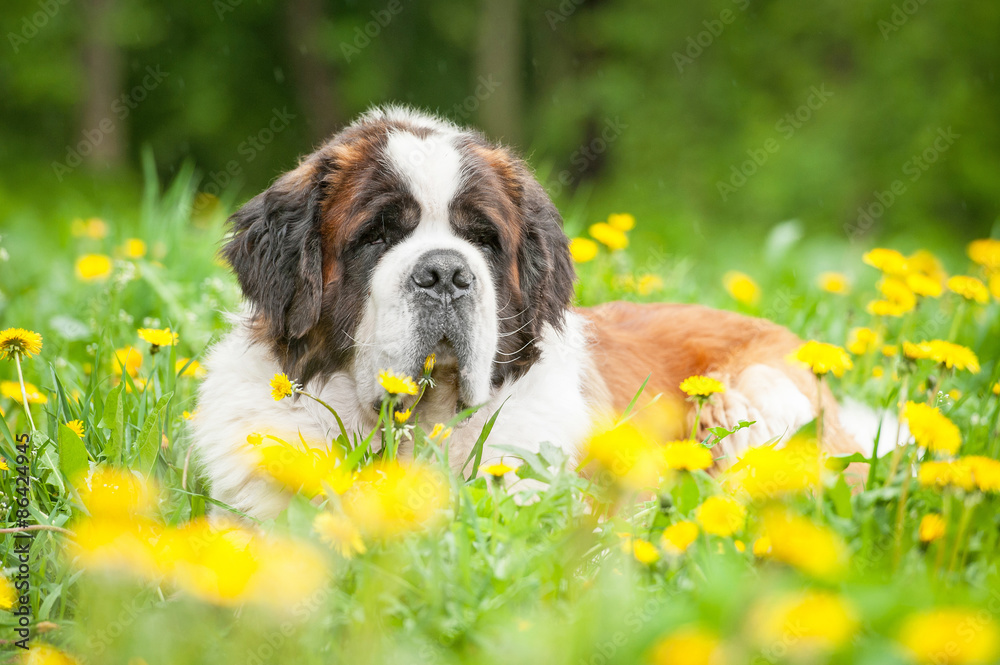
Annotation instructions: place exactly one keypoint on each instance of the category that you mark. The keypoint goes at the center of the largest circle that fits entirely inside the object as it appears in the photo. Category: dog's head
(403, 236)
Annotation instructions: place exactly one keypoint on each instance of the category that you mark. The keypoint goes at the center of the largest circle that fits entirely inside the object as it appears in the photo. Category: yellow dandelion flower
(996, 388)
(950, 636)
(3, 465)
(823, 358)
(645, 551)
(888, 308)
(762, 547)
(888, 261)
(701, 386)
(985, 252)
(402, 416)
(158, 337)
(628, 455)
(969, 288)
(995, 284)
(932, 429)
(952, 356)
(190, 368)
(862, 340)
(687, 646)
(922, 262)
(339, 533)
(923, 285)
(721, 516)
(834, 282)
(76, 426)
(498, 470)
(7, 594)
(440, 432)
(878, 372)
(740, 546)
(649, 284)
(812, 548)
(12, 390)
(391, 499)
(308, 468)
(134, 248)
(932, 527)
(397, 385)
(687, 455)
(951, 473)
(985, 472)
(609, 236)
(583, 249)
(766, 472)
(890, 350)
(805, 621)
(677, 538)
(129, 358)
(281, 387)
(43, 654)
(429, 363)
(622, 221)
(20, 342)
(187, 415)
(93, 228)
(741, 287)
(92, 267)
(896, 291)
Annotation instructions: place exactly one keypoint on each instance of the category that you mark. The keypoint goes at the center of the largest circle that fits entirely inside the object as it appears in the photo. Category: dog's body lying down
(405, 236)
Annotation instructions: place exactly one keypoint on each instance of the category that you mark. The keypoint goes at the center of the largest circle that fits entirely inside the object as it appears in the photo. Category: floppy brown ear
(276, 252)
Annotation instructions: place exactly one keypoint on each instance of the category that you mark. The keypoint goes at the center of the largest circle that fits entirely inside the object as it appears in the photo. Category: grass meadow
(643, 557)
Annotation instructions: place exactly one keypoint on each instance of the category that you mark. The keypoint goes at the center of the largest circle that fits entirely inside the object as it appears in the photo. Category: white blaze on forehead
(432, 169)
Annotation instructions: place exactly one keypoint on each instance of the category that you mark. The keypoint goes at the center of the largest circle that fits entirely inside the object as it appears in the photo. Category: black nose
(443, 274)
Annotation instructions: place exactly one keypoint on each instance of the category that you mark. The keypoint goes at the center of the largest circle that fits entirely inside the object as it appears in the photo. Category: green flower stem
(24, 391)
(956, 323)
(340, 423)
(904, 494)
(963, 523)
(699, 403)
(819, 410)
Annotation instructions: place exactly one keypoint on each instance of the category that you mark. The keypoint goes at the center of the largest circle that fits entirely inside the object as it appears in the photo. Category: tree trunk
(100, 129)
(499, 77)
(314, 78)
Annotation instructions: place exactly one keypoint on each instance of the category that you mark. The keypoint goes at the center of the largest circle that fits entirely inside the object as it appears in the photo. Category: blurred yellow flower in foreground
(701, 386)
(391, 499)
(12, 390)
(628, 454)
(158, 337)
(887, 308)
(76, 426)
(281, 387)
(43, 654)
(952, 636)
(304, 468)
(861, 340)
(128, 357)
(969, 288)
(822, 358)
(134, 248)
(7, 594)
(583, 249)
(645, 551)
(834, 282)
(810, 547)
(952, 356)
(995, 284)
(677, 538)
(762, 546)
(952, 473)
(609, 236)
(922, 262)
(996, 388)
(91, 267)
(688, 646)
(19, 342)
(721, 516)
(397, 385)
(340, 533)
(687, 456)
(649, 284)
(932, 429)
(622, 221)
(768, 472)
(888, 261)
(190, 367)
(932, 527)
(93, 228)
(805, 621)
(741, 287)
(498, 470)
(116, 493)
(985, 252)
(896, 291)
(923, 285)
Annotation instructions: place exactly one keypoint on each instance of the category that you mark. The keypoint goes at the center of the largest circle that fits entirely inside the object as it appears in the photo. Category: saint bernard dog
(406, 235)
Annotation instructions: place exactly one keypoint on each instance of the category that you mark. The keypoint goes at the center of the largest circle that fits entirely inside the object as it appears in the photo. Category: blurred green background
(709, 121)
